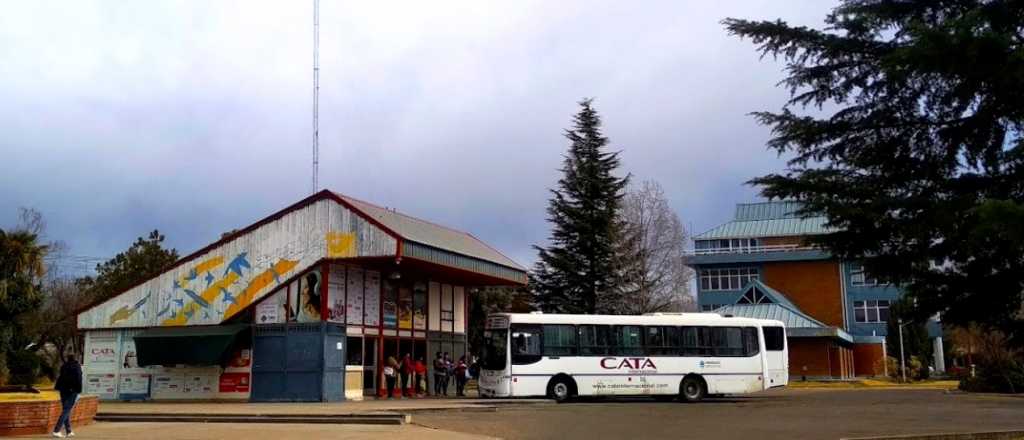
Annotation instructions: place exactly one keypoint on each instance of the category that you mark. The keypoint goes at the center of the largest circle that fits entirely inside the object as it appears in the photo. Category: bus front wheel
(692, 389)
(561, 389)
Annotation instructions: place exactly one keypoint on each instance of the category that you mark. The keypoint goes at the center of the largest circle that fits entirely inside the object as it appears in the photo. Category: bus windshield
(495, 349)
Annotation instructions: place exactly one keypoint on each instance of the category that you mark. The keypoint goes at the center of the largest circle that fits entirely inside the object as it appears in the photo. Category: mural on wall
(219, 284)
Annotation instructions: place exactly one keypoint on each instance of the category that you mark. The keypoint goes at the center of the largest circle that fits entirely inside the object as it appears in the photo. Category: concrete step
(358, 419)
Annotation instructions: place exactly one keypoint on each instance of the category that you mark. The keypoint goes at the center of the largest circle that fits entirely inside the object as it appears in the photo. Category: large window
(526, 342)
(354, 351)
(711, 307)
(628, 340)
(661, 341)
(696, 341)
(727, 244)
(871, 310)
(495, 342)
(559, 340)
(773, 338)
(595, 340)
(726, 278)
(858, 277)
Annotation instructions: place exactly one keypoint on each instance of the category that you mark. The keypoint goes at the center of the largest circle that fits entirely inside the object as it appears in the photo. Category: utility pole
(903, 365)
(316, 95)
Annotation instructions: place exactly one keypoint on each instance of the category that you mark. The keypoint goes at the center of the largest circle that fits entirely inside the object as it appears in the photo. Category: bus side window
(695, 341)
(661, 340)
(526, 344)
(773, 339)
(629, 340)
(559, 340)
(750, 345)
(594, 340)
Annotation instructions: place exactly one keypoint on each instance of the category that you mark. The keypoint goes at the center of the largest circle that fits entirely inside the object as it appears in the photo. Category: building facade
(759, 265)
(304, 305)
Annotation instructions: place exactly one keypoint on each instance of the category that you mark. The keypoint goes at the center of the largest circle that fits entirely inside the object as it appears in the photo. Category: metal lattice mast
(316, 95)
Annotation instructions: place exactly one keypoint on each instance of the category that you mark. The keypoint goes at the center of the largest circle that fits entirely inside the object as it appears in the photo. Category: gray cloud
(194, 118)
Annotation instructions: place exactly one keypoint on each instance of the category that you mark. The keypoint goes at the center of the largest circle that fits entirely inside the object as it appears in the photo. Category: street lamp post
(903, 365)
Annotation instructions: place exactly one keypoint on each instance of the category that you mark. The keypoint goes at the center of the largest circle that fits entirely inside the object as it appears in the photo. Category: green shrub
(24, 367)
(1001, 377)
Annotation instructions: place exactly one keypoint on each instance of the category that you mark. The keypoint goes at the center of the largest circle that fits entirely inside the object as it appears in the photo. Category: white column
(940, 362)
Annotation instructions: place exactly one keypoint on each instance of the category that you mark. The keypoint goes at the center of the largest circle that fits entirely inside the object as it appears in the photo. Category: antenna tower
(316, 95)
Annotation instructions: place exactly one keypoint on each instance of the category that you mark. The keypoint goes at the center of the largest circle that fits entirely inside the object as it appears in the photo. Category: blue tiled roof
(768, 219)
(791, 317)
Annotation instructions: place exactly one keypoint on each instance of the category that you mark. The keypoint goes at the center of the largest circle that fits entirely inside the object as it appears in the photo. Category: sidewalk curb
(340, 419)
(989, 435)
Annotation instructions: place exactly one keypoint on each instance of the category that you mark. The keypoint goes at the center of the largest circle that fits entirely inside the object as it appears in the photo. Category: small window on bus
(774, 338)
(661, 341)
(559, 340)
(525, 342)
(628, 340)
(695, 341)
(595, 340)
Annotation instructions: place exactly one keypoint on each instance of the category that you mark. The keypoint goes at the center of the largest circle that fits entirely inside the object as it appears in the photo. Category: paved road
(777, 414)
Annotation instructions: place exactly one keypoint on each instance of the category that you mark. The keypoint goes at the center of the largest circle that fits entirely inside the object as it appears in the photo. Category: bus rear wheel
(692, 389)
(561, 389)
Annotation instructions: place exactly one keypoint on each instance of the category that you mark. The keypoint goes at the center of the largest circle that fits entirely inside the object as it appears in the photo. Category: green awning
(190, 345)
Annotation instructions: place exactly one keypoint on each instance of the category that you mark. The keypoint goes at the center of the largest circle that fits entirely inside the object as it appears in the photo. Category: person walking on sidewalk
(421, 375)
(461, 373)
(439, 374)
(390, 375)
(69, 384)
(407, 372)
(448, 371)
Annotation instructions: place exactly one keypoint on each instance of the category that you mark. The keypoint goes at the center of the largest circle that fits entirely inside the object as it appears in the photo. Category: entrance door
(370, 365)
(288, 363)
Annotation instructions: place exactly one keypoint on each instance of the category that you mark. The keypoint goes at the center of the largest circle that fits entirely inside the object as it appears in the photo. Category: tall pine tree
(913, 146)
(577, 272)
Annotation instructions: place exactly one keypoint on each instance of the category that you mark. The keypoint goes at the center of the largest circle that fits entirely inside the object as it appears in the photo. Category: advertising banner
(371, 299)
(308, 298)
(419, 306)
(404, 308)
(102, 385)
(133, 385)
(336, 308)
(389, 302)
(355, 296)
(234, 383)
(271, 311)
(102, 350)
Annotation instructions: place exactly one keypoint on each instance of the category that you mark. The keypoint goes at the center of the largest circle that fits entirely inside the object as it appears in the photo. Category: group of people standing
(414, 373)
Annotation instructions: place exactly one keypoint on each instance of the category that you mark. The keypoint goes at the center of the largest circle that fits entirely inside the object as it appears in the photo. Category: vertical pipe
(903, 365)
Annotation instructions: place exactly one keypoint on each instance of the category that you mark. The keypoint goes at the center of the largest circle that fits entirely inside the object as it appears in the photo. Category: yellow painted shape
(121, 314)
(258, 283)
(202, 267)
(208, 295)
(340, 244)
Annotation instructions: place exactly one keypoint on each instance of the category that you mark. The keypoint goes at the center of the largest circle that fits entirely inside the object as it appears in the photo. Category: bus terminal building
(304, 305)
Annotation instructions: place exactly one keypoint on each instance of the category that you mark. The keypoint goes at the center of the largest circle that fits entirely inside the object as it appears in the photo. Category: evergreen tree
(914, 148)
(577, 273)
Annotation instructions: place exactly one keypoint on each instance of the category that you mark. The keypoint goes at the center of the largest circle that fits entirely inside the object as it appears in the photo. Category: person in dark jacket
(69, 384)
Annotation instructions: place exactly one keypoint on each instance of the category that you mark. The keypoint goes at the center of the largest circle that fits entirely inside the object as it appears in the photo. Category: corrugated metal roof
(768, 228)
(775, 295)
(767, 210)
(792, 318)
(432, 234)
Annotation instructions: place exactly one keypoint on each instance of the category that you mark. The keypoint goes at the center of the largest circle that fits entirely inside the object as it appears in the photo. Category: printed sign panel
(102, 350)
(404, 308)
(234, 383)
(168, 383)
(272, 311)
(336, 294)
(135, 384)
(389, 303)
(102, 385)
(355, 296)
(371, 299)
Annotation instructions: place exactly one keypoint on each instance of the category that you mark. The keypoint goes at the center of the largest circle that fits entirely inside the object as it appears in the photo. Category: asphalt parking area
(777, 414)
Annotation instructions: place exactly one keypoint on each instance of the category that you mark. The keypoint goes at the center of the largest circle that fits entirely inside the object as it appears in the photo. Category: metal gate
(290, 362)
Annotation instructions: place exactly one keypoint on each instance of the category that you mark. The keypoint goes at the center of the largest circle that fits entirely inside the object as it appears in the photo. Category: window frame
(525, 358)
(620, 350)
(666, 344)
(550, 350)
(595, 350)
(781, 336)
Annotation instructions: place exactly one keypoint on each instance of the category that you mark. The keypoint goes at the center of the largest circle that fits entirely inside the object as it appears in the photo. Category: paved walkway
(368, 406)
(248, 431)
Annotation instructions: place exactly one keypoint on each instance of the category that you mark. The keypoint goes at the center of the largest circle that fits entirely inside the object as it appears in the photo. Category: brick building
(758, 265)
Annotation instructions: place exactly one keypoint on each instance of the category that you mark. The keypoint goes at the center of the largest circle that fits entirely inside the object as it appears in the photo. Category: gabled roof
(767, 219)
(431, 234)
(791, 317)
(776, 296)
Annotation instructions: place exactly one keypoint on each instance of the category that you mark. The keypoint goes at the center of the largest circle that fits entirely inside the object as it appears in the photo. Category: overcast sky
(194, 118)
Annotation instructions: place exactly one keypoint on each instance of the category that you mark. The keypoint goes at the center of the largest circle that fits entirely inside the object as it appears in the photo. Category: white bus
(690, 355)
